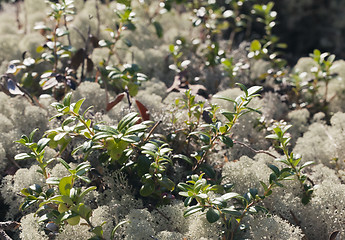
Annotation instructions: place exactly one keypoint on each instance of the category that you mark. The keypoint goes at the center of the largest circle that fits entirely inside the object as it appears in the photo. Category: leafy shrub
(127, 158)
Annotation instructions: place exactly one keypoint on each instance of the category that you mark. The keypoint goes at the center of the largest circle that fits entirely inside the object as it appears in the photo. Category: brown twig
(152, 129)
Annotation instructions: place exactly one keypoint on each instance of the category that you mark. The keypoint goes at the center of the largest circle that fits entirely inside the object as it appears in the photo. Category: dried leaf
(144, 112)
(94, 40)
(89, 65)
(113, 103)
(78, 58)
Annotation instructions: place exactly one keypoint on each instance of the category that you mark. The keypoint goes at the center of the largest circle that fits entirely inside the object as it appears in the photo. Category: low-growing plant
(60, 200)
(290, 159)
(127, 146)
(213, 131)
(220, 203)
(268, 48)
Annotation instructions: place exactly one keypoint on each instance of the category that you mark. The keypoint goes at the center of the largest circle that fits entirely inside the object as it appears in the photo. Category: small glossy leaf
(227, 141)
(65, 185)
(232, 211)
(148, 188)
(274, 169)
(159, 29)
(126, 120)
(67, 99)
(244, 89)
(183, 157)
(253, 90)
(77, 105)
(64, 163)
(306, 164)
(23, 156)
(167, 183)
(42, 143)
(212, 215)
(86, 191)
(136, 128)
(230, 195)
(53, 181)
(192, 209)
(228, 115)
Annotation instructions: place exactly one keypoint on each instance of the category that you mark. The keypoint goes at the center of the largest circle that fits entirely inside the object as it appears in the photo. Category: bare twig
(152, 129)
(253, 150)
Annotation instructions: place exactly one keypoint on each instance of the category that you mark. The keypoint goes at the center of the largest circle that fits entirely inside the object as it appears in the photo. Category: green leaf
(53, 181)
(223, 129)
(227, 141)
(67, 99)
(76, 106)
(86, 191)
(131, 138)
(255, 46)
(126, 120)
(136, 128)
(274, 169)
(253, 90)
(228, 115)
(212, 215)
(23, 156)
(98, 231)
(36, 188)
(148, 188)
(67, 121)
(31, 136)
(272, 178)
(183, 157)
(84, 211)
(42, 143)
(224, 98)
(187, 201)
(232, 211)
(25, 192)
(65, 164)
(186, 194)
(263, 185)
(65, 185)
(272, 136)
(306, 164)
(229, 195)
(191, 210)
(105, 129)
(244, 89)
(159, 29)
(184, 187)
(116, 227)
(59, 199)
(84, 178)
(87, 110)
(167, 183)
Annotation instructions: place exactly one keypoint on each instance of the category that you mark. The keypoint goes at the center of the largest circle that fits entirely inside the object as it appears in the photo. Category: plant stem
(246, 210)
(83, 122)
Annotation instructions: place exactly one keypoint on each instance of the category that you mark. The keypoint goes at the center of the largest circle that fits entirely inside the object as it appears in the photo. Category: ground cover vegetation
(171, 119)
